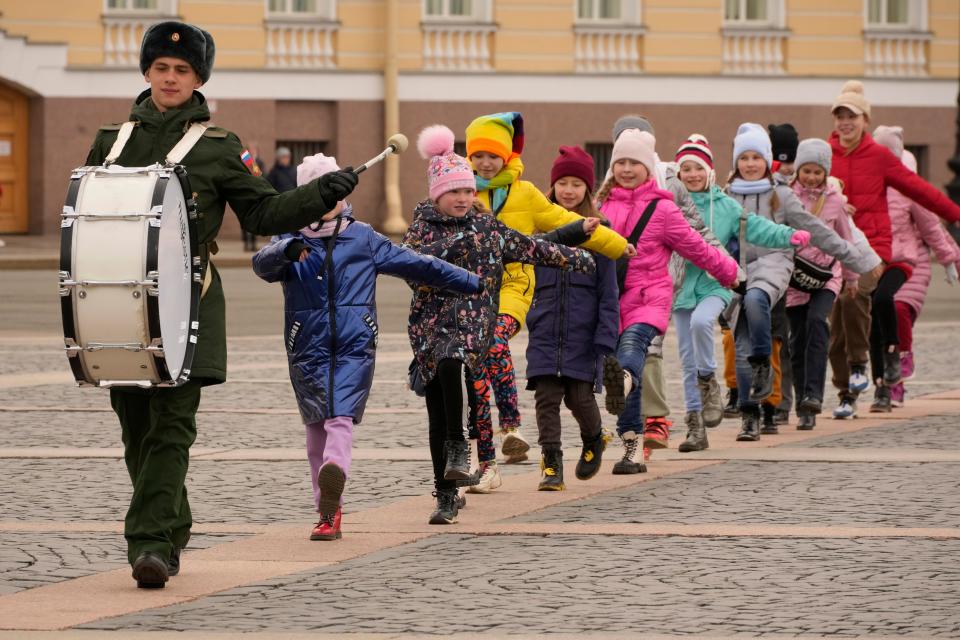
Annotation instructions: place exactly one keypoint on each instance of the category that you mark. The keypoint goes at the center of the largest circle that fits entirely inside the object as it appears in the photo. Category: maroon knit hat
(573, 161)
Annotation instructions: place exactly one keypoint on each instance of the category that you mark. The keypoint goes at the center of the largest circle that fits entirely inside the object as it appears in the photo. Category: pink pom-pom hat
(447, 171)
(315, 166)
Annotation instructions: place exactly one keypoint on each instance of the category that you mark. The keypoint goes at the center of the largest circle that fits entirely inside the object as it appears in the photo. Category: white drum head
(173, 264)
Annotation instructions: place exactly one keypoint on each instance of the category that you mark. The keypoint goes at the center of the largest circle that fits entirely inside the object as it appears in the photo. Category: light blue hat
(752, 137)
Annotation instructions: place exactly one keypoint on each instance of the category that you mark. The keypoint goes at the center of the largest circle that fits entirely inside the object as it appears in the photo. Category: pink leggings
(329, 441)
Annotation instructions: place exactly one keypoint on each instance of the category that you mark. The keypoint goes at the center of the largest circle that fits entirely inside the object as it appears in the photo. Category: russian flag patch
(247, 159)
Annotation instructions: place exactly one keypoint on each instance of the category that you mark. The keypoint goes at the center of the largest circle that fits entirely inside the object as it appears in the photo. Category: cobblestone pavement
(797, 493)
(393, 574)
(28, 560)
(579, 584)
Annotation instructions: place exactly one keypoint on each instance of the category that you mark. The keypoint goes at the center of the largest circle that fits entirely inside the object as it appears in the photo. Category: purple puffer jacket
(648, 295)
(833, 214)
(915, 231)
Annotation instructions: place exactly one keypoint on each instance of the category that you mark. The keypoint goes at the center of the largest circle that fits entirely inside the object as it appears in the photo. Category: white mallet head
(398, 142)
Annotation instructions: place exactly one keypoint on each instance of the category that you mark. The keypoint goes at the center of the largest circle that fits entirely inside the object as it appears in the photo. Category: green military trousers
(158, 427)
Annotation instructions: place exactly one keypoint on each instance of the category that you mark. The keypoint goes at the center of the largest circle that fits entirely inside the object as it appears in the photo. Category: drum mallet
(397, 143)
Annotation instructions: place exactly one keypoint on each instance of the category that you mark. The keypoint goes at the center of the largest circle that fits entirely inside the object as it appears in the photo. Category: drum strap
(176, 155)
(122, 136)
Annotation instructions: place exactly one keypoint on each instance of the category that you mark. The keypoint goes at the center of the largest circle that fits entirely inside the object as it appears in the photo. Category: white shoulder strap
(122, 136)
(190, 138)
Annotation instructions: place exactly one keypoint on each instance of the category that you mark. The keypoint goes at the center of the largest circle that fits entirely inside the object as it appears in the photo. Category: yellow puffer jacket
(528, 211)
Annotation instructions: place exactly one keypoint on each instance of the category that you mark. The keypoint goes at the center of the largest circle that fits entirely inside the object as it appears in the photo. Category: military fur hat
(178, 40)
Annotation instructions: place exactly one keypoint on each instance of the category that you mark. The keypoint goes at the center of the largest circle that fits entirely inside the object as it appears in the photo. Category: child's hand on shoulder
(590, 225)
(630, 251)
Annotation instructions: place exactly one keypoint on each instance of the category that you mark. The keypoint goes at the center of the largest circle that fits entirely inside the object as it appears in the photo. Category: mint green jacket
(721, 214)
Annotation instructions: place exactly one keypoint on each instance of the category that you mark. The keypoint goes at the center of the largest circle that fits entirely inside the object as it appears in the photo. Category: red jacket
(866, 172)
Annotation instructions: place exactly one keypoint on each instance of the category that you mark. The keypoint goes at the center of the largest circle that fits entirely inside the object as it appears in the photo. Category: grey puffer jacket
(770, 269)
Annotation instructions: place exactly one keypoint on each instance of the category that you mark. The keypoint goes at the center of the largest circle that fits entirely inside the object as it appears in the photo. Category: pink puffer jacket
(832, 214)
(648, 294)
(915, 231)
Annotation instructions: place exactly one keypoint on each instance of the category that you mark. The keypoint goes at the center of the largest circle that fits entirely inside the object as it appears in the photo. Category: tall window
(888, 12)
(748, 11)
(136, 5)
(601, 152)
(599, 10)
(293, 8)
(444, 9)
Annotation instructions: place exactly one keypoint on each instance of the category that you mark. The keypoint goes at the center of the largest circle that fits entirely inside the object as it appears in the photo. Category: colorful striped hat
(500, 134)
(696, 148)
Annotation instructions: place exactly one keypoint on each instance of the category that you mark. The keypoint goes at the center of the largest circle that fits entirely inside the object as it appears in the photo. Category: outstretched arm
(767, 233)
(934, 235)
(520, 248)
(408, 264)
(823, 237)
(689, 209)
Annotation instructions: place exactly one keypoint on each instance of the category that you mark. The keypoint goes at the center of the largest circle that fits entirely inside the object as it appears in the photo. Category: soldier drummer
(159, 424)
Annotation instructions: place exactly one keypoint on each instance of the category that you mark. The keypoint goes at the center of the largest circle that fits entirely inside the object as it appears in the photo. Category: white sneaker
(489, 478)
(846, 410)
(859, 381)
(514, 445)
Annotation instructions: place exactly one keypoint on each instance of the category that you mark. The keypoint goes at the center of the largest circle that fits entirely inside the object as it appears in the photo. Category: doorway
(14, 126)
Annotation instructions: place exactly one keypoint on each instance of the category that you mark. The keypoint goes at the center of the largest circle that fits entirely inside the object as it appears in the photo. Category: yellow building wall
(533, 36)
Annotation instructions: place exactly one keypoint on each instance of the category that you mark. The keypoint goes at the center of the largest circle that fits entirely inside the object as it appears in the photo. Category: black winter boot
(551, 466)
(589, 463)
(768, 425)
(732, 410)
(458, 460)
(881, 400)
(749, 424)
(761, 383)
(448, 506)
(892, 373)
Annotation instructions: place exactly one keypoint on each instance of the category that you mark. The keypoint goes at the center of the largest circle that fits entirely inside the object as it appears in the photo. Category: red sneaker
(328, 528)
(656, 433)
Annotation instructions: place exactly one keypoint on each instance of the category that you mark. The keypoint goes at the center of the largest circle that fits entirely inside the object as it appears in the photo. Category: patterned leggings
(497, 370)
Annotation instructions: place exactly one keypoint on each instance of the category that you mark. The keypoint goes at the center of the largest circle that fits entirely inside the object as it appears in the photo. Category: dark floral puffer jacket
(444, 324)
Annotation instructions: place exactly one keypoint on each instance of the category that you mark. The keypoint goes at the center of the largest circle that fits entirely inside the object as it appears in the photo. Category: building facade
(326, 75)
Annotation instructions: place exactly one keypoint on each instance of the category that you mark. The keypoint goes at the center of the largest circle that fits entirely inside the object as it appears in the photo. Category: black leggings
(883, 319)
(445, 415)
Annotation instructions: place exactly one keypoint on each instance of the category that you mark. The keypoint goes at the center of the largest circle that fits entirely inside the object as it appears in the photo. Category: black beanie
(178, 40)
(784, 139)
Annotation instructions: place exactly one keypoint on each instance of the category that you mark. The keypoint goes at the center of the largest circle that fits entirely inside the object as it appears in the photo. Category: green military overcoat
(218, 177)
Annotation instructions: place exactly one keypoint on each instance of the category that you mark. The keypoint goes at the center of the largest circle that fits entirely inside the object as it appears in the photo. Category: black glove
(337, 185)
(480, 286)
(293, 250)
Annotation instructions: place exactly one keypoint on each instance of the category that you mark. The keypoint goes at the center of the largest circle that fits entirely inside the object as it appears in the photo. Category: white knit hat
(636, 145)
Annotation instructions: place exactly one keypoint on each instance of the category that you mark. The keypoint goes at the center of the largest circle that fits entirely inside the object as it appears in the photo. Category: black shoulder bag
(624, 261)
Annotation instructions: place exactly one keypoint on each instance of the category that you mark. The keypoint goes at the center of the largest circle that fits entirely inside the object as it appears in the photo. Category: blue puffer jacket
(317, 326)
(573, 322)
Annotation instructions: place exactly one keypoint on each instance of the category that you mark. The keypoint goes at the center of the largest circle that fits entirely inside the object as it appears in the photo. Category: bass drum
(130, 276)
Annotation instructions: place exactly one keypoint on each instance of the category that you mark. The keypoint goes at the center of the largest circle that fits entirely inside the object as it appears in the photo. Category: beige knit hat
(851, 96)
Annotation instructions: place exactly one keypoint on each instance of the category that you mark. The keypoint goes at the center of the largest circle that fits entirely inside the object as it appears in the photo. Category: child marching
(647, 215)
(573, 324)
(701, 298)
(329, 272)
(449, 332)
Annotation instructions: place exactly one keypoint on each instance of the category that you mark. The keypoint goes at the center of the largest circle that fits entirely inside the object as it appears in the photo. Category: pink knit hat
(636, 145)
(313, 167)
(447, 171)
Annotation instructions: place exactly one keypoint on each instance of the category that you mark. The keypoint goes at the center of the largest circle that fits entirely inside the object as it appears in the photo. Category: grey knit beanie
(814, 151)
(632, 122)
